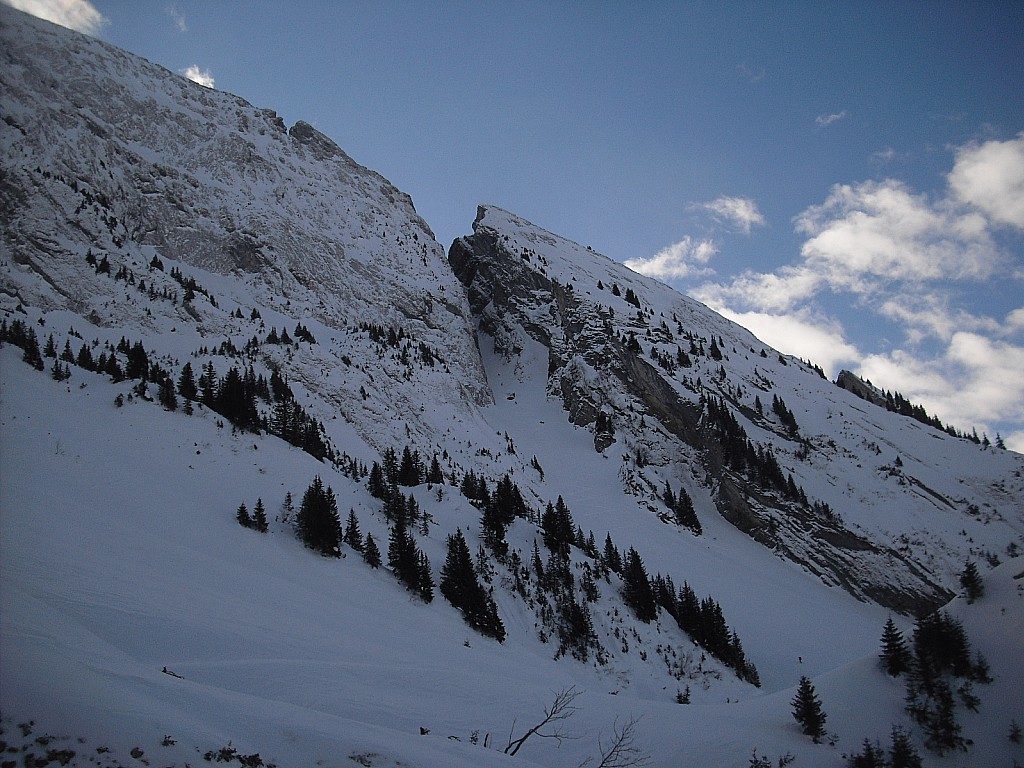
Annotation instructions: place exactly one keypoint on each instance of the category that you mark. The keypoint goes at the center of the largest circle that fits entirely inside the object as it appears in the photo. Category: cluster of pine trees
(704, 621)
(901, 754)
(755, 462)
(460, 586)
(236, 394)
(681, 506)
(256, 521)
(938, 658)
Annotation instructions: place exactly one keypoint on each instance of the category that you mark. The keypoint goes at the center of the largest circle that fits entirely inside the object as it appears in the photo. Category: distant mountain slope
(874, 502)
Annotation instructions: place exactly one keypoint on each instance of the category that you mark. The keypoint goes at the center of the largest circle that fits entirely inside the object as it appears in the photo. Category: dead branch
(621, 750)
(560, 710)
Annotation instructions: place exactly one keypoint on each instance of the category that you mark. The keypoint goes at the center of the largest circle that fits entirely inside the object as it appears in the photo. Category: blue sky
(845, 179)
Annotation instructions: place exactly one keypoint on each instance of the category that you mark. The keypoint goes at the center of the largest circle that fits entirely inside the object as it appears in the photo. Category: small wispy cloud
(740, 213)
(178, 17)
(79, 15)
(835, 117)
(197, 75)
(687, 258)
(883, 156)
(754, 76)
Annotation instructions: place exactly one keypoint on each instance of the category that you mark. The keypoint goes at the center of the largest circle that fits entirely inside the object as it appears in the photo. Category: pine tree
(424, 577)
(971, 581)
(461, 587)
(371, 554)
(902, 753)
(259, 517)
(187, 383)
(402, 555)
(870, 756)
(242, 516)
(166, 395)
(317, 523)
(807, 711)
(611, 557)
(353, 536)
(895, 656)
(30, 349)
(84, 359)
(637, 591)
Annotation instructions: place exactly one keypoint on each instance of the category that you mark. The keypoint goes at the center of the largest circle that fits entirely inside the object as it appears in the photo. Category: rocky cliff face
(102, 152)
(774, 448)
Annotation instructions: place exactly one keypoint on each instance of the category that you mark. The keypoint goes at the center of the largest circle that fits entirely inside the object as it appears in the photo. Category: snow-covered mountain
(153, 227)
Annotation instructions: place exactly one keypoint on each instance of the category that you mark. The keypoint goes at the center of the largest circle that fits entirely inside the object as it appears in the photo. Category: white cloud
(197, 75)
(976, 381)
(79, 15)
(931, 314)
(739, 212)
(763, 291)
(807, 336)
(824, 120)
(178, 17)
(1015, 441)
(990, 177)
(873, 232)
(911, 259)
(1014, 321)
(683, 259)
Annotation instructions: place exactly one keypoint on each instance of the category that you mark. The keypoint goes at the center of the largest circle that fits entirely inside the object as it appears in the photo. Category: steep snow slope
(119, 553)
(119, 557)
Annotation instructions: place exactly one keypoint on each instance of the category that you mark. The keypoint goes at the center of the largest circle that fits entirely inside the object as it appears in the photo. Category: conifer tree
(637, 588)
(461, 587)
(84, 359)
(902, 753)
(434, 474)
(895, 656)
(50, 348)
(317, 522)
(242, 516)
(870, 756)
(30, 349)
(166, 395)
(971, 581)
(353, 536)
(371, 554)
(187, 383)
(807, 710)
(402, 555)
(424, 577)
(259, 517)
(611, 557)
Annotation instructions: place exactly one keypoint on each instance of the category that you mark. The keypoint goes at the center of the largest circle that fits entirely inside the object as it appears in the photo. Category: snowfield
(140, 624)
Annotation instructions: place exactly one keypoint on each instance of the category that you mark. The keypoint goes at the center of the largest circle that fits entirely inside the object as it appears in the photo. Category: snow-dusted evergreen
(518, 505)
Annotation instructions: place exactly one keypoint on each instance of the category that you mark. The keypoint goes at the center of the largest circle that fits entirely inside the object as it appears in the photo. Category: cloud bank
(79, 15)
